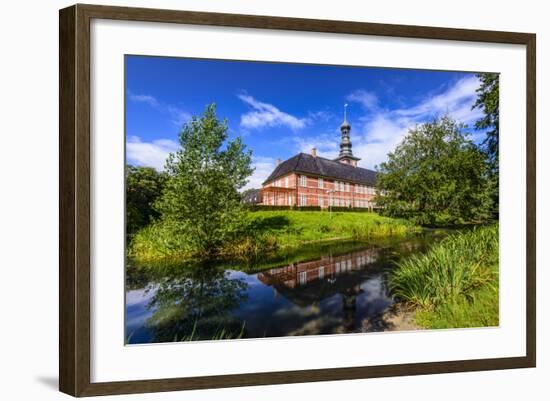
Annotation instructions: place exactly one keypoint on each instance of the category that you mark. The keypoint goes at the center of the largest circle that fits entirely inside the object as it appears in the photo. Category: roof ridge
(336, 161)
(303, 162)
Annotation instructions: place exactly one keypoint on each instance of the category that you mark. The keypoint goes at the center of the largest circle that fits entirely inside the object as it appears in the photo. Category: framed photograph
(249, 200)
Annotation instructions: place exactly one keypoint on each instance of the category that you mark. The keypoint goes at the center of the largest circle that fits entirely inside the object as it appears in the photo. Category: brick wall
(301, 190)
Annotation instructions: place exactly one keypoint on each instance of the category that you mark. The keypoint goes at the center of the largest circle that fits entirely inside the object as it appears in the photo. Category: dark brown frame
(74, 199)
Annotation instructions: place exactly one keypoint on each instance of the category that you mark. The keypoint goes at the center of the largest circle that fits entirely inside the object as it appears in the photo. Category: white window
(320, 201)
(347, 186)
(342, 188)
(302, 277)
(322, 272)
(303, 181)
(289, 200)
(286, 182)
(303, 200)
(320, 183)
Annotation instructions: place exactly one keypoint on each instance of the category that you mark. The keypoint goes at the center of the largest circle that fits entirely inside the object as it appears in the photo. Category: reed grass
(454, 281)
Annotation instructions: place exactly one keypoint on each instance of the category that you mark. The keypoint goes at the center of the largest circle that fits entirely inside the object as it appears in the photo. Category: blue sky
(282, 109)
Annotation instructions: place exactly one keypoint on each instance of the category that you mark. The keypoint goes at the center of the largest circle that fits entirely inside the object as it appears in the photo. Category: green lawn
(266, 231)
(292, 228)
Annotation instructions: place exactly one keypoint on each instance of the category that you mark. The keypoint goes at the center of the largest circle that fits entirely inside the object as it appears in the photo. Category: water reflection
(334, 288)
(190, 303)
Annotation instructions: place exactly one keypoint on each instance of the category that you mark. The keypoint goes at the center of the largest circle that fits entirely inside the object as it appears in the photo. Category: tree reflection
(195, 303)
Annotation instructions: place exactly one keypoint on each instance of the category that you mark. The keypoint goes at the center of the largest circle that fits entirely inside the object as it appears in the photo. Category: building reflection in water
(337, 291)
(327, 268)
(309, 283)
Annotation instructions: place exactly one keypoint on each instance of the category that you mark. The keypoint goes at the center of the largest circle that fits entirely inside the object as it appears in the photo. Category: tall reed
(450, 271)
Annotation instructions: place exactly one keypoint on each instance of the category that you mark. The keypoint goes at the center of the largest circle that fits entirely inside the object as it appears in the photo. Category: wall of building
(303, 190)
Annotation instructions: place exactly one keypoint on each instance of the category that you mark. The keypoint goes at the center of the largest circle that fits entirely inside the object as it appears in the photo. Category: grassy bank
(266, 231)
(292, 228)
(455, 284)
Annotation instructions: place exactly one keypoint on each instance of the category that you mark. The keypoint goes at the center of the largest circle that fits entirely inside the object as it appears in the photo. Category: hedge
(255, 208)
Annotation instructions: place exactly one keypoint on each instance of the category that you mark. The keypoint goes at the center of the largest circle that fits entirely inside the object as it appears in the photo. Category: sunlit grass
(455, 284)
(266, 231)
(291, 228)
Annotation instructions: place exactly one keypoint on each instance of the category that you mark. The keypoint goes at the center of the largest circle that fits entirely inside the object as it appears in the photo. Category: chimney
(278, 161)
(314, 152)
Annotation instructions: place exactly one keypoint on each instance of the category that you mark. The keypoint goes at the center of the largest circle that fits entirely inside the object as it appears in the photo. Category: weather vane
(345, 111)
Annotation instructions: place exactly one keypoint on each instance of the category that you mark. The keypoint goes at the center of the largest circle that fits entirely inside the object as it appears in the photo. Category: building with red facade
(310, 180)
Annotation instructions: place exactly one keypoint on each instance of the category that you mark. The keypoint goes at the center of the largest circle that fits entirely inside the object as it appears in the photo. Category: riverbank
(267, 231)
(454, 284)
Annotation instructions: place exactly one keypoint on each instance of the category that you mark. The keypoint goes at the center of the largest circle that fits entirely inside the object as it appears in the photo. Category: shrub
(450, 271)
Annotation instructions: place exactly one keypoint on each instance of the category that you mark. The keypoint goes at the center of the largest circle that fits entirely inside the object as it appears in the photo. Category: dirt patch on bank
(398, 317)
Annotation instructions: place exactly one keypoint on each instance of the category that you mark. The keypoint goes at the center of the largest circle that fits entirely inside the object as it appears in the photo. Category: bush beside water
(455, 284)
(265, 231)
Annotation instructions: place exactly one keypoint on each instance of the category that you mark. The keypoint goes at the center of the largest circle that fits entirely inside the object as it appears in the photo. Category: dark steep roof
(308, 164)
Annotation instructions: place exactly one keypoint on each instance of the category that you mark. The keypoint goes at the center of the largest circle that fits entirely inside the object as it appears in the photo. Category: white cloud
(150, 154)
(150, 100)
(267, 115)
(379, 136)
(367, 99)
(378, 131)
(456, 101)
(326, 145)
(263, 167)
(177, 115)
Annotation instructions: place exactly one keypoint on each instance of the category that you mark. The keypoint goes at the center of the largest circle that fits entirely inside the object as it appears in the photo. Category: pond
(329, 288)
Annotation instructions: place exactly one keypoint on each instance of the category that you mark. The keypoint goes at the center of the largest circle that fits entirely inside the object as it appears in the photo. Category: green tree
(436, 175)
(201, 201)
(488, 101)
(143, 187)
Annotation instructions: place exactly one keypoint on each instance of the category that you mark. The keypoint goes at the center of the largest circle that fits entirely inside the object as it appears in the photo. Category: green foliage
(482, 310)
(349, 209)
(158, 241)
(194, 302)
(201, 204)
(266, 231)
(255, 208)
(295, 228)
(488, 101)
(435, 176)
(143, 187)
(460, 271)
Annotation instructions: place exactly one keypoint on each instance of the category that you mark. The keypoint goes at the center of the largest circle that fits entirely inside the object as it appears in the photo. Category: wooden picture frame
(74, 199)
